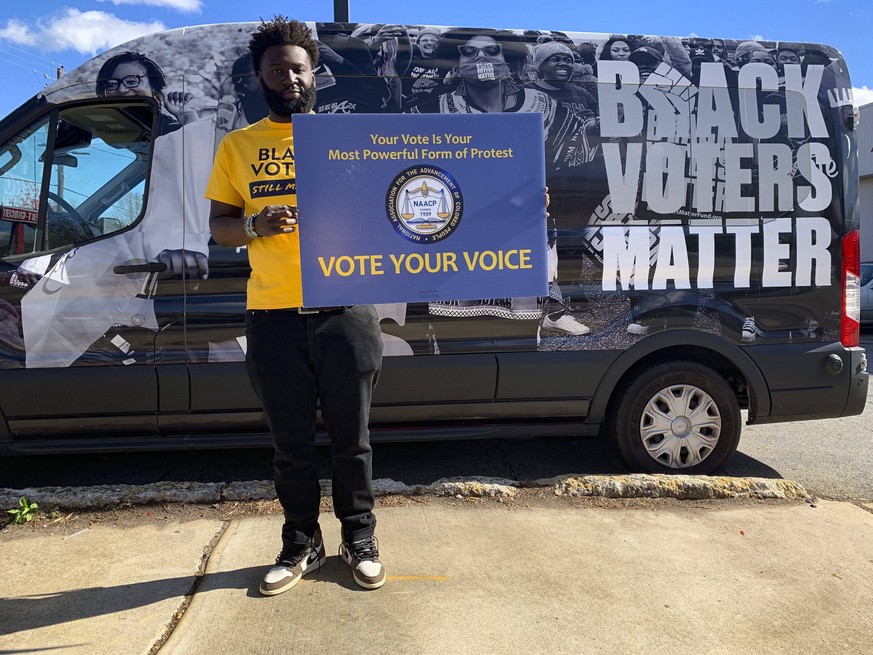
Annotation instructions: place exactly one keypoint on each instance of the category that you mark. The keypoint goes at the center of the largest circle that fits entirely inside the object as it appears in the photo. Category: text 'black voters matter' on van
(703, 244)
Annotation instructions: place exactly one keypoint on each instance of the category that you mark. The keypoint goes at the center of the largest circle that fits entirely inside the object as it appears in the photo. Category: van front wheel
(676, 417)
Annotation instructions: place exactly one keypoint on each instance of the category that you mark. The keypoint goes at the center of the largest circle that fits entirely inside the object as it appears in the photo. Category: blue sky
(37, 36)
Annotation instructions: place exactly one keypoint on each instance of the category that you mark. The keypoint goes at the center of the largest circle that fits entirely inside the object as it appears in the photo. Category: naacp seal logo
(424, 204)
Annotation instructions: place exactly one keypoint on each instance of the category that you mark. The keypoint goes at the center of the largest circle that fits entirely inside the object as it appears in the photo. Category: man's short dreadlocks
(281, 31)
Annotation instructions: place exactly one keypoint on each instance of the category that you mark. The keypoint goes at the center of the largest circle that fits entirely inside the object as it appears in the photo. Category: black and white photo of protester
(484, 84)
(616, 48)
(428, 73)
(584, 68)
(173, 232)
(390, 46)
(552, 67)
(347, 81)
(426, 41)
(788, 53)
(407, 59)
(242, 102)
(134, 74)
(670, 50)
(749, 52)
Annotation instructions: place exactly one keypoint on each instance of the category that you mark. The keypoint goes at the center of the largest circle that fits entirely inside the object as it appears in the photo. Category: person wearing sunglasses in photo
(173, 230)
(488, 64)
(134, 74)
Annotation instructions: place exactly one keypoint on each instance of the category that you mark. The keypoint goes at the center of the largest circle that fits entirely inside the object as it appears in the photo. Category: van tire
(656, 433)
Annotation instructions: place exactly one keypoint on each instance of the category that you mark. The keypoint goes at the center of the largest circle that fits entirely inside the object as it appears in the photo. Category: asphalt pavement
(484, 576)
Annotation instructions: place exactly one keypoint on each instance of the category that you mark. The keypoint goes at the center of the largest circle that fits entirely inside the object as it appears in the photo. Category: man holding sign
(298, 356)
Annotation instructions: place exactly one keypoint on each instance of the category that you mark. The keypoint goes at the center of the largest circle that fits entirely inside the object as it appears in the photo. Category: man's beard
(279, 105)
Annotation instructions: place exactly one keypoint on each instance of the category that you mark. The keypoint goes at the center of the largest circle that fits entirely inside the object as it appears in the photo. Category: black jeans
(296, 361)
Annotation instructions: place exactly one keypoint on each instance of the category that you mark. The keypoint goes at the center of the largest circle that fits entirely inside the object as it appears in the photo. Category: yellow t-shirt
(253, 168)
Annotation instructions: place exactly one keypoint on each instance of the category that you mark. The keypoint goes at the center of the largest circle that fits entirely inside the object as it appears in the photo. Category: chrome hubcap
(680, 426)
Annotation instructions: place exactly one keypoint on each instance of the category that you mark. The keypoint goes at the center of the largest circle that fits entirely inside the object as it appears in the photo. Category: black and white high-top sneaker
(290, 567)
(363, 557)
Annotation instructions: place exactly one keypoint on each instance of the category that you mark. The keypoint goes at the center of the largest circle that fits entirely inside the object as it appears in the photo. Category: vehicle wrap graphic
(698, 184)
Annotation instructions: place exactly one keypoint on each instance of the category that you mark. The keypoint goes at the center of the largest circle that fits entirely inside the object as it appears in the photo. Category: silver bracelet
(249, 226)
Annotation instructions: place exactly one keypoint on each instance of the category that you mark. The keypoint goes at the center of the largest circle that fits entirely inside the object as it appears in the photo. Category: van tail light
(850, 322)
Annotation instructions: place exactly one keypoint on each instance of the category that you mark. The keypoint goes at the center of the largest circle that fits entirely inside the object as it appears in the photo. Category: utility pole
(341, 11)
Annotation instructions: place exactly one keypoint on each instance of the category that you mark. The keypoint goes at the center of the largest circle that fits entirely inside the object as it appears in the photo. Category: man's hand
(276, 219)
(226, 223)
(548, 200)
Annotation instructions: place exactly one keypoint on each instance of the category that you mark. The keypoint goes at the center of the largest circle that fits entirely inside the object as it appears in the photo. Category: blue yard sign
(418, 208)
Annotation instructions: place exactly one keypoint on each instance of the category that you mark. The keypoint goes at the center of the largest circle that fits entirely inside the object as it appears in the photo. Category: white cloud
(862, 96)
(18, 32)
(87, 32)
(179, 5)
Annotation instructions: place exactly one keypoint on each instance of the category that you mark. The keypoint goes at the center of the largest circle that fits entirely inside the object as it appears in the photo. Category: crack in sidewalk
(179, 614)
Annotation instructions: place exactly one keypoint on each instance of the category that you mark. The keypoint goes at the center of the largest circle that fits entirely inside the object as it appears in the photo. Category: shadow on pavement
(23, 613)
(413, 463)
(744, 466)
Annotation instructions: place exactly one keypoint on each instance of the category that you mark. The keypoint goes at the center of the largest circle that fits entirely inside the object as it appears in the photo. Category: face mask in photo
(484, 71)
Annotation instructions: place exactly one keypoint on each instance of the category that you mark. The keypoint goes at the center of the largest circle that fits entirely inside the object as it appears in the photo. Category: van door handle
(150, 283)
(150, 267)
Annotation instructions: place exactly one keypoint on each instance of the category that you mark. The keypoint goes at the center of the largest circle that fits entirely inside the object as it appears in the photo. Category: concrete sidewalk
(464, 577)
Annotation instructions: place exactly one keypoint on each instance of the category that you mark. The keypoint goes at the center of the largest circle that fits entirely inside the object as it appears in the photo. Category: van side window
(99, 164)
(20, 180)
(99, 168)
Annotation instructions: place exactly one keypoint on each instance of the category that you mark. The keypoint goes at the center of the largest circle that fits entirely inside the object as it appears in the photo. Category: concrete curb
(682, 487)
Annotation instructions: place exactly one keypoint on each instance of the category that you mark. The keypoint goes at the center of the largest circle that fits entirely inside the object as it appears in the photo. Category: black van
(703, 244)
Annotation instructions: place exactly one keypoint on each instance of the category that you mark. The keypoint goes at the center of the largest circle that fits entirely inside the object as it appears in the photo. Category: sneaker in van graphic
(564, 323)
(750, 330)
